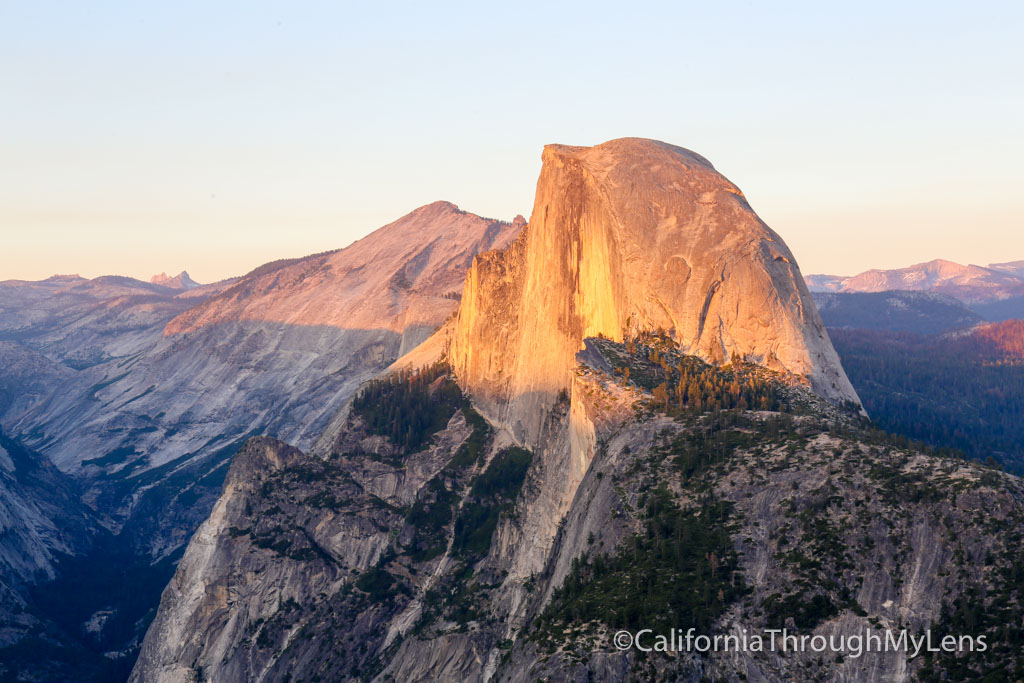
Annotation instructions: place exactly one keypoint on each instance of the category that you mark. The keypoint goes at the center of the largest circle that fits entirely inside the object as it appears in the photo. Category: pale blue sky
(137, 137)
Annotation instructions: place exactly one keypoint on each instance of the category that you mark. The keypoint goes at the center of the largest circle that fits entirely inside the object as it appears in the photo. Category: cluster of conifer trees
(409, 407)
(679, 572)
(682, 383)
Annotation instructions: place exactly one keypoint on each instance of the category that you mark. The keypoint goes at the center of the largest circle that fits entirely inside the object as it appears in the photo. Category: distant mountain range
(179, 281)
(895, 311)
(137, 394)
(1013, 267)
(469, 449)
(995, 292)
(918, 350)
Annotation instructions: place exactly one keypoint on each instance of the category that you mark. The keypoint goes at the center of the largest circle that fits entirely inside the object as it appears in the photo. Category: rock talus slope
(633, 235)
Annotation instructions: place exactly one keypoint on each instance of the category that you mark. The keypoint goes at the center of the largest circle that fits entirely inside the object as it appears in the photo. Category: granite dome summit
(630, 235)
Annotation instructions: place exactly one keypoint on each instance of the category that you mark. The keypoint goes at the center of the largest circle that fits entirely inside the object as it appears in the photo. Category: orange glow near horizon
(147, 138)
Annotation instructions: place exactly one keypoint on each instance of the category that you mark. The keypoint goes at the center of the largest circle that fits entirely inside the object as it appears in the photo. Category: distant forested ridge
(896, 311)
(963, 391)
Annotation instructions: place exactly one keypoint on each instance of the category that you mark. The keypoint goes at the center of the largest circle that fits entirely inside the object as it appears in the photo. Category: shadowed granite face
(146, 377)
(144, 392)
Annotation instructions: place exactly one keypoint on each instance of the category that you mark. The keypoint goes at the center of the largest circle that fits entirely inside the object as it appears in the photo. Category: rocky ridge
(180, 281)
(378, 562)
(895, 310)
(971, 284)
(163, 382)
(147, 418)
(499, 514)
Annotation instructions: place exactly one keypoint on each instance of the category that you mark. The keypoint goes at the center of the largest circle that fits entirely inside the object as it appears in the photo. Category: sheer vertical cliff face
(633, 234)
